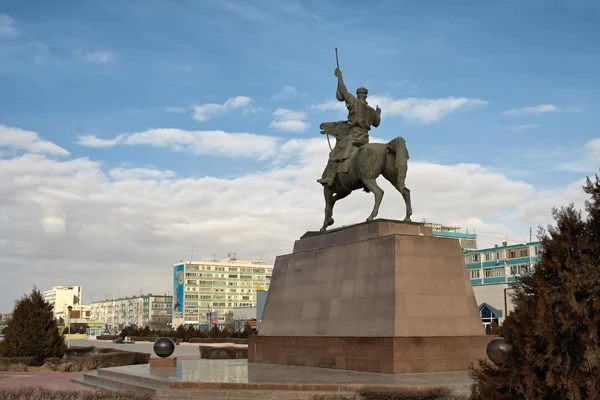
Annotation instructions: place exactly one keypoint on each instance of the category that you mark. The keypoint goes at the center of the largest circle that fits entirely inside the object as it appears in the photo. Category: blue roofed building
(468, 241)
(492, 272)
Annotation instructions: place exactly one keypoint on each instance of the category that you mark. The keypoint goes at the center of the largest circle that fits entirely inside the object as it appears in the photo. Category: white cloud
(286, 93)
(205, 111)
(7, 26)
(196, 142)
(19, 139)
(98, 56)
(330, 105)
(128, 174)
(541, 109)
(179, 110)
(412, 109)
(289, 121)
(585, 159)
(424, 110)
(93, 141)
(398, 83)
(72, 217)
(518, 127)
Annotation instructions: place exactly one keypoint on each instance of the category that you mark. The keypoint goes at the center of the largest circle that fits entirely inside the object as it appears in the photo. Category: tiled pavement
(48, 380)
(235, 379)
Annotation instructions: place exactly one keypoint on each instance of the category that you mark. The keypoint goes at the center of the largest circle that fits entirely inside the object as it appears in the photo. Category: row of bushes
(191, 340)
(135, 338)
(185, 333)
(30, 393)
(78, 359)
(223, 353)
(378, 393)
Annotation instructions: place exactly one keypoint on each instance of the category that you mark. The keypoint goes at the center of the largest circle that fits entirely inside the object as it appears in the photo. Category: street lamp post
(69, 329)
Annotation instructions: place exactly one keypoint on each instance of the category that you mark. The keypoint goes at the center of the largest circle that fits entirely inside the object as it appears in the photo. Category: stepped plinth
(381, 296)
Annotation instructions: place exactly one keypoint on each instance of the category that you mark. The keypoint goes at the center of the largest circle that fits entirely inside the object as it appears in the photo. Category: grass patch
(28, 393)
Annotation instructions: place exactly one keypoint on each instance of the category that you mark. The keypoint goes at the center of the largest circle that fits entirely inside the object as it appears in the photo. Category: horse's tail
(398, 147)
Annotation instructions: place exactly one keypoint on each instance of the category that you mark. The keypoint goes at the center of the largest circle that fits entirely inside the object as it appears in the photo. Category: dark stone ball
(164, 347)
(498, 349)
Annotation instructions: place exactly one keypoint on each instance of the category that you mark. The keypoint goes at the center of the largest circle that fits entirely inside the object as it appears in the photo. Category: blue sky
(448, 72)
(165, 54)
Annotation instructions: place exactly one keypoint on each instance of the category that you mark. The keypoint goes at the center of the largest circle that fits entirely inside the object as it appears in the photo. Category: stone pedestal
(168, 362)
(382, 296)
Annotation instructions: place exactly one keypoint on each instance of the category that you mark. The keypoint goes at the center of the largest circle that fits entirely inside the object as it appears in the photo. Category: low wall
(219, 340)
(75, 336)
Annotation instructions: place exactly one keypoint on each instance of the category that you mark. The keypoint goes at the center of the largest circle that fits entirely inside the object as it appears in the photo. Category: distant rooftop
(504, 246)
(224, 261)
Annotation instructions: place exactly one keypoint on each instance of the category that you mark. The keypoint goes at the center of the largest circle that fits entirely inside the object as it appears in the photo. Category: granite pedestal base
(163, 362)
(382, 296)
(398, 355)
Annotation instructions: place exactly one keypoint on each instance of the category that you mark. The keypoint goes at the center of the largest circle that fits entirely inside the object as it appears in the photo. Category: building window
(488, 256)
(475, 258)
(522, 269)
(494, 272)
(524, 253)
(512, 254)
(475, 273)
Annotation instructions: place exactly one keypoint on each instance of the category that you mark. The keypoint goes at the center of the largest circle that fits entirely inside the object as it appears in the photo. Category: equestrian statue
(354, 163)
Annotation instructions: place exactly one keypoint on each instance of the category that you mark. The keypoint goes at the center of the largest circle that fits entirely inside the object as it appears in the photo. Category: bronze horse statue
(363, 167)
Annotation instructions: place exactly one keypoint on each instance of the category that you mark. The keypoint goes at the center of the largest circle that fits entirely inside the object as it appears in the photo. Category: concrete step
(144, 380)
(118, 385)
(114, 384)
(210, 394)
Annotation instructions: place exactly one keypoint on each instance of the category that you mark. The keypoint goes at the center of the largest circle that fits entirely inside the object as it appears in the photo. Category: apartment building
(205, 290)
(61, 297)
(468, 241)
(493, 270)
(153, 310)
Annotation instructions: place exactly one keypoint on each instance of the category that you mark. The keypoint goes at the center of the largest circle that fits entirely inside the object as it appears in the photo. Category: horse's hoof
(369, 219)
(330, 222)
(407, 219)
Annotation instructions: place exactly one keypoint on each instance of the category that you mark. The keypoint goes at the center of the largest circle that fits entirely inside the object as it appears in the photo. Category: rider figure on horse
(361, 117)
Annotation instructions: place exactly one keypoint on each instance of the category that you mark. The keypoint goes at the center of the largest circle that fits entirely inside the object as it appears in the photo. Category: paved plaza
(47, 380)
(238, 379)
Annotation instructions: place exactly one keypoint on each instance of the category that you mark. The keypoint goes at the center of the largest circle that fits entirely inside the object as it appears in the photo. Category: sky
(137, 134)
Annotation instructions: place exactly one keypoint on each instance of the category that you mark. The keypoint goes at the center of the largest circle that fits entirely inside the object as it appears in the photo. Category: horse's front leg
(371, 184)
(406, 196)
(328, 194)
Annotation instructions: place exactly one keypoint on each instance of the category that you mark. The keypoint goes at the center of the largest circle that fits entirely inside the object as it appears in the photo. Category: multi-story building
(152, 310)
(61, 297)
(205, 290)
(4, 319)
(468, 241)
(492, 272)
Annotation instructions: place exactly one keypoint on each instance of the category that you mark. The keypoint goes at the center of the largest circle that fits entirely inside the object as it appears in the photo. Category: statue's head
(361, 93)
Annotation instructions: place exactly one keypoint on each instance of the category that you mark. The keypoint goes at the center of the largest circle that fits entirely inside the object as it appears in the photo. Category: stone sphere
(498, 349)
(164, 347)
